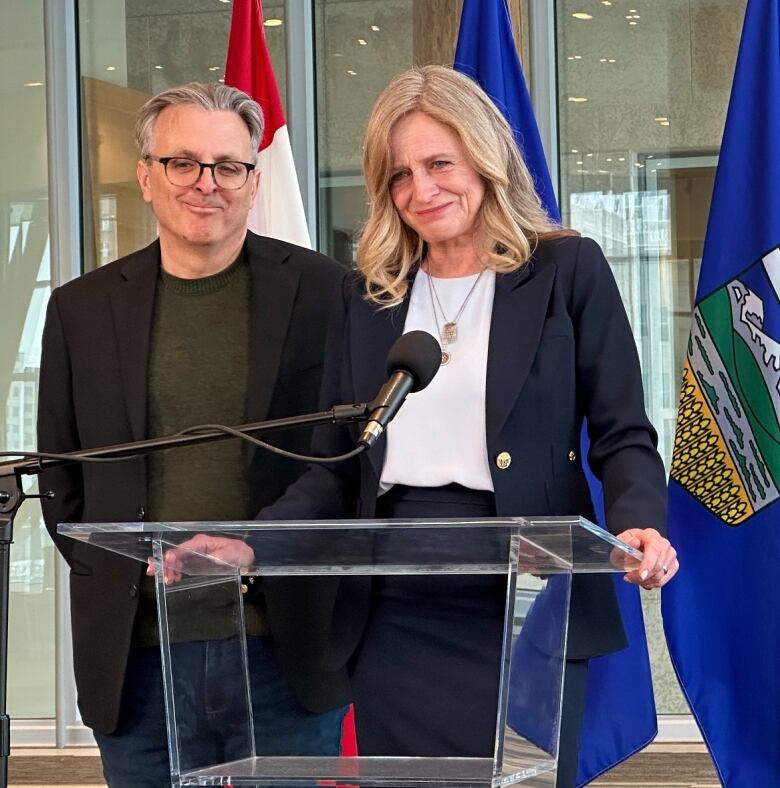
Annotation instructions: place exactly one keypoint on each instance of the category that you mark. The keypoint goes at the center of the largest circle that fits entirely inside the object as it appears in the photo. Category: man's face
(201, 214)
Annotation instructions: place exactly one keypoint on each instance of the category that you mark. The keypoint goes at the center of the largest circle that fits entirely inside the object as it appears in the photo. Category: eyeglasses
(186, 172)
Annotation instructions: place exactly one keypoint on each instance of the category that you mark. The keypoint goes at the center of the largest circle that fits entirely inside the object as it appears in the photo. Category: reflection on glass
(642, 104)
(24, 291)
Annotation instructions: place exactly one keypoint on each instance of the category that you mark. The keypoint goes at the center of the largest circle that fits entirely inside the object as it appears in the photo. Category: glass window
(24, 291)
(643, 91)
(130, 50)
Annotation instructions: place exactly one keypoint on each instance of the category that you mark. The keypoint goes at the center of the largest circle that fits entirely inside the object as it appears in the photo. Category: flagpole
(302, 106)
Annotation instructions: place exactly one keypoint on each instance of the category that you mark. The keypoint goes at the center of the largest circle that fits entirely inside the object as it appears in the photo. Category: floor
(659, 766)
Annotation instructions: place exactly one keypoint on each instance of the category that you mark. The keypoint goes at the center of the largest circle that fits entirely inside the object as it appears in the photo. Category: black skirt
(425, 679)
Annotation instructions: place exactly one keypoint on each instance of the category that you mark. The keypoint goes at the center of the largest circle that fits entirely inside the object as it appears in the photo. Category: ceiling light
(272, 22)
(338, 54)
(213, 68)
(637, 164)
(577, 99)
(632, 23)
(574, 150)
(632, 10)
(582, 15)
(608, 158)
(224, 1)
(159, 68)
(362, 42)
(660, 119)
(622, 158)
(375, 28)
(33, 84)
(602, 60)
(351, 72)
(570, 57)
(612, 60)
(110, 68)
(649, 155)
(606, 2)
(664, 122)
(221, 79)
(580, 161)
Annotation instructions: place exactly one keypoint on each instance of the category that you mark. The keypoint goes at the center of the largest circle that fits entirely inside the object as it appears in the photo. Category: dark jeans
(136, 754)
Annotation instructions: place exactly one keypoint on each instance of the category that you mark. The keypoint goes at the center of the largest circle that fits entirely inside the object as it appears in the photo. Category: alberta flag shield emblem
(728, 425)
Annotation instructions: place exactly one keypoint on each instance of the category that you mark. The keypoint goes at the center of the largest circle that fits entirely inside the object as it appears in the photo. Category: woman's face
(435, 189)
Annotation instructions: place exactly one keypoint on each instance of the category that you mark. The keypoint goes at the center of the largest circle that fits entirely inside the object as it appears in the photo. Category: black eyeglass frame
(165, 160)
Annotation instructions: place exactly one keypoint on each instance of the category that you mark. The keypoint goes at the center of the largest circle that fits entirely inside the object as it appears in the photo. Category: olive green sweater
(198, 365)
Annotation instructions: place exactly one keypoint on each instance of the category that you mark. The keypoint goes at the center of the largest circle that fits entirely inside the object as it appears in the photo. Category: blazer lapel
(372, 334)
(274, 286)
(132, 306)
(519, 310)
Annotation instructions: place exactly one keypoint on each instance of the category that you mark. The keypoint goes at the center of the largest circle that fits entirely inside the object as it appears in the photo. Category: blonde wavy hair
(511, 216)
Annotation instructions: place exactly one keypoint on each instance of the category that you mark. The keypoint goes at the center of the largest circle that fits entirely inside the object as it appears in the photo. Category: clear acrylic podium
(537, 556)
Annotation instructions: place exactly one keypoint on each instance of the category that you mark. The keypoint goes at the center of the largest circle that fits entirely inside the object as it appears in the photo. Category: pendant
(449, 333)
(445, 358)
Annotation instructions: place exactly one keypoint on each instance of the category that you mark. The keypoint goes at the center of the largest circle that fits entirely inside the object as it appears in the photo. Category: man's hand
(187, 557)
(660, 563)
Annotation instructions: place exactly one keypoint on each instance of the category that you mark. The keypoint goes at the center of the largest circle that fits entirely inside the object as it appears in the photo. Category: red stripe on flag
(348, 734)
(249, 66)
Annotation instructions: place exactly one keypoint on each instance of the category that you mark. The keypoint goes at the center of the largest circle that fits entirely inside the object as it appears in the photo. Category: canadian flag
(278, 209)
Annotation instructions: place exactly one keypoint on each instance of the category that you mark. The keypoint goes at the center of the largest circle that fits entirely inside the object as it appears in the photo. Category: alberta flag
(620, 716)
(722, 612)
(278, 210)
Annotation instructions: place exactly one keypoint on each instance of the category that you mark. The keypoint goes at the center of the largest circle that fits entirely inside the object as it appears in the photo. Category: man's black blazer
(93, 392)
(560, 351)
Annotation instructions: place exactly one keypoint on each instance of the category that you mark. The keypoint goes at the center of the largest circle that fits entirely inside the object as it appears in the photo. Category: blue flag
(721, 612)
(486, 52)
(620, 716)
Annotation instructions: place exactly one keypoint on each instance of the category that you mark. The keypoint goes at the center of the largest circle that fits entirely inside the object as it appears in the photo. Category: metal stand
(12, 496)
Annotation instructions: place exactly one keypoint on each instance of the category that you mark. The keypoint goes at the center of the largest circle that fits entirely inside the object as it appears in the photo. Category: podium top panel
(539, 545)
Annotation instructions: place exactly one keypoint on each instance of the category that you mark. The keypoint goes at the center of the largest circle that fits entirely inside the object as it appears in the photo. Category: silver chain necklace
(448, 333)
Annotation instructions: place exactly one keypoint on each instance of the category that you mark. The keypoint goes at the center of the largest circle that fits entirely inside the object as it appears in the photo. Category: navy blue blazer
(560, 351)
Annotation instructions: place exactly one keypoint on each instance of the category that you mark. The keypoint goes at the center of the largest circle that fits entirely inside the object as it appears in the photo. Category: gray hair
(211, 96)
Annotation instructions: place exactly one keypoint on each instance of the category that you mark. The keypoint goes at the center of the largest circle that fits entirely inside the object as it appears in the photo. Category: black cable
(196, 430)
(45, 455)
(268, 447)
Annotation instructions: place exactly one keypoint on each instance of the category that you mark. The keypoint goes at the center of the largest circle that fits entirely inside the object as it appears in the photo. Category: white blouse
(438, 435)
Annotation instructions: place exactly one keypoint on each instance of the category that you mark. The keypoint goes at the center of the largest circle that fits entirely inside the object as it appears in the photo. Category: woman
(534, 339)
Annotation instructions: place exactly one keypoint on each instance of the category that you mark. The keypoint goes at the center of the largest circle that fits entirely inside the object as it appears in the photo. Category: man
(210, 323)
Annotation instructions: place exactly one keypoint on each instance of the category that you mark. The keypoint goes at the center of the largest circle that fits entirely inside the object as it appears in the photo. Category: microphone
(412, 362)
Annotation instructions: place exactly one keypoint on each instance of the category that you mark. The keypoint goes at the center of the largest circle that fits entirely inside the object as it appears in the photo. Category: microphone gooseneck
(412, 362)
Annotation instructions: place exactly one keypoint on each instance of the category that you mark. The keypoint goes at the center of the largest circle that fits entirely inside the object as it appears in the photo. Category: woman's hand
(188, 556)
(660, 563)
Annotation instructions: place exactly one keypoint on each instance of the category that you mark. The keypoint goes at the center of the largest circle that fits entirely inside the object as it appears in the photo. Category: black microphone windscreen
(417, 353)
